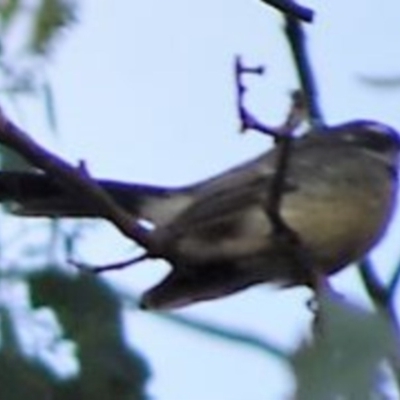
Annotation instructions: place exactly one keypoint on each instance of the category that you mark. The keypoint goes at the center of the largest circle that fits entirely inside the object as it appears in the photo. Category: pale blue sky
(144, 92)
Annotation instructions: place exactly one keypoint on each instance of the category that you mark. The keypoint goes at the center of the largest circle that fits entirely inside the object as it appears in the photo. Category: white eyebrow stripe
(380, 128)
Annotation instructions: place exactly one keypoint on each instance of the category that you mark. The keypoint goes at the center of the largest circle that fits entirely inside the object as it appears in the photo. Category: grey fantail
(339, 194)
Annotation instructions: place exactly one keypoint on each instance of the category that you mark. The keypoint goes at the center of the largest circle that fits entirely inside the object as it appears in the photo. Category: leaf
(51, 18)
(381, 82)
(345, 360)
(90, 313)
(49, 106)
(10, 160)
(9, 337)
(21, 377)
(8, 11)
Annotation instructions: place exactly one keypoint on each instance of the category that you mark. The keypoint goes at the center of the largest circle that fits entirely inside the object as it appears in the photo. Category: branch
(98, 269)
(75, 180)
(232, 334)
(394, 283)
(296, 115)
(284, 146)
(383, 297)
(373, 285)
(248, 120)
(291, 9)
(286, 238)
(218, 331)
(297, 42)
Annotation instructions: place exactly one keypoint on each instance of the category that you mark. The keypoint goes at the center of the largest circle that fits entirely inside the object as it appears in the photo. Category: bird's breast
(340, 222)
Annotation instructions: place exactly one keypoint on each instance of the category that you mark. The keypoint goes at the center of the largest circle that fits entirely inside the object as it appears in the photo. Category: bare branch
(74, 179)
(248, 120)
(276, 190)
(382, 298)
(297, 42)
(97, 269)
(286, 238)
(373, 285)
(269, 347)
(393, 284)
(292, 9)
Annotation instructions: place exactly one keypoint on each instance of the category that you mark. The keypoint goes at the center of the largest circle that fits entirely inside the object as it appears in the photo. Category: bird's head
(376, 138)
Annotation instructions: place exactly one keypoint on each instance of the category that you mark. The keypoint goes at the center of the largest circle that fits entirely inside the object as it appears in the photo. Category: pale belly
(337, 231)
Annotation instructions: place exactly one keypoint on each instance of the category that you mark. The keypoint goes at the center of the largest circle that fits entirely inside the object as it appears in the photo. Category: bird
(338, 197)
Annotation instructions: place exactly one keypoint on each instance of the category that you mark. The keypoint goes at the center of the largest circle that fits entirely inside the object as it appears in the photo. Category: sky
(144, 92)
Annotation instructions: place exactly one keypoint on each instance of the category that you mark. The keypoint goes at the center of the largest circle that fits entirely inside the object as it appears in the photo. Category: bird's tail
(35, 194)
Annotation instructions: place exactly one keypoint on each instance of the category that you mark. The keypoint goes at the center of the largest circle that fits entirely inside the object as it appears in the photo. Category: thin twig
(286, 238)
(297, 42)
(216, 330)
(381, 295)
(97, 269)
(286, 132)
(292, 9)
(382, 298)
(249, 121)
(393, 283)
(373, 285)
(232, 334)
(277, 187)
(297, 113)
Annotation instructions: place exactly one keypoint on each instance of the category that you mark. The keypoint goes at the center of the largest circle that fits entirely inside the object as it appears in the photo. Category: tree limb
(292, 9)
(75, 180)
(297, 42)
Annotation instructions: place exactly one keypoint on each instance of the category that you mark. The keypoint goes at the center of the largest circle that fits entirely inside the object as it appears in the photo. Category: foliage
(47, 20)
(51, 17)
(346, 360)
(90, 314)
(88, 310)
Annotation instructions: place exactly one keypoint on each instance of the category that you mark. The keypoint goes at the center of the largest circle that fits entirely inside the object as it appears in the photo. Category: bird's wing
(222, 204)
(227, 221)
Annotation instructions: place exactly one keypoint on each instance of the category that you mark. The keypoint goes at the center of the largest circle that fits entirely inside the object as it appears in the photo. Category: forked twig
(286, 238)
